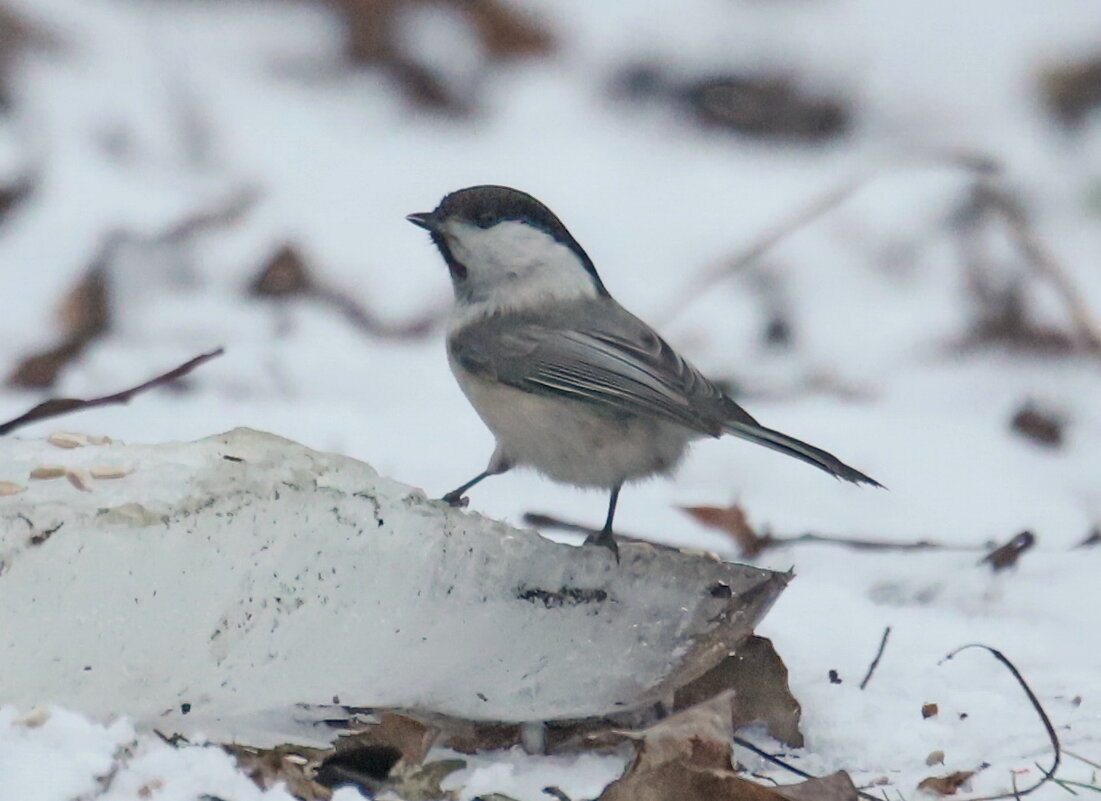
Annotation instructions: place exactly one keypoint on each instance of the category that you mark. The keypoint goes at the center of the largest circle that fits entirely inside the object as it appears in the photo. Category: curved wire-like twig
(55, 407)
(1049, 773)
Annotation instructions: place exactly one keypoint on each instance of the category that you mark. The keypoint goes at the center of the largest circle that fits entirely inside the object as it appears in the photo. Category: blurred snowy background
(880, 223)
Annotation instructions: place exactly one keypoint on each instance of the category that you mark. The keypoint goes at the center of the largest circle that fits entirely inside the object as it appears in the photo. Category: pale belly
(571, 441)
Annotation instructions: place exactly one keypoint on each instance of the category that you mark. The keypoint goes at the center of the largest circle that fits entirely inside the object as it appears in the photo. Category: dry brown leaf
(675, 781)
(84, 315)
(67, 440)
(835, 787)
(686, 757)
(10, 488)
(1007, 555)
(1038, 425)
(946, 785)
(288, 765)
(422, 782)
(929, 710)
(379, 754)
(285, 275)
(935, 758)
(759, 680)
(1072, 91)
(408, 735)
(470, 737)
(734, 522)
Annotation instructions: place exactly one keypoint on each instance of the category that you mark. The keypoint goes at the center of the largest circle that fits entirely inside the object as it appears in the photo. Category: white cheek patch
(514, 265)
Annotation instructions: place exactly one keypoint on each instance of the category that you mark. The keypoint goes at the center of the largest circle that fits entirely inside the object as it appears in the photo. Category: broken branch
(55, 407)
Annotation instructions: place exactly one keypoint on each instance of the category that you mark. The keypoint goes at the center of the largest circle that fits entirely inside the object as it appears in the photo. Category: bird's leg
(497, 465)
(604, 537)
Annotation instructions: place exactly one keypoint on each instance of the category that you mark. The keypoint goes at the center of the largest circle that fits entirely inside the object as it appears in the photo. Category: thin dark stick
(816, 208)
(55, 407)
(765, 755)
(1049, 773)
(878, 655)
(550, 521)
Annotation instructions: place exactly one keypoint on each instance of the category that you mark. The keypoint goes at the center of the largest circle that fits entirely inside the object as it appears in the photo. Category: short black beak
(423, 219)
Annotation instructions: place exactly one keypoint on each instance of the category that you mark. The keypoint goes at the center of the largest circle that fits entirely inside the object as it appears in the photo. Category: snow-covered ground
(141, 114)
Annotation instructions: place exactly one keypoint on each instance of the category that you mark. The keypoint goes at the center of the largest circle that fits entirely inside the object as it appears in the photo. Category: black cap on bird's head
(486, 206)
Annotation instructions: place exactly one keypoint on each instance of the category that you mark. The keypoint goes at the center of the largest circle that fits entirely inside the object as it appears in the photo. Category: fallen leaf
(470, 737)
(675, 781)
(1038, 425)
(285, 275)
(379, 754)
(422, 782)
(287, 765)
(1072, 90)
(835, 787)
(935, 758)
(734, 522)
(84, 316)
(687, 757)
(1007, 555)
(759, 681)
(945, 785)
(10, 488)
(929, 710)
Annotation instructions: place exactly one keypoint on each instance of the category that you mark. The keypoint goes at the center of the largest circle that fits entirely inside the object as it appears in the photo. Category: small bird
(569, 382)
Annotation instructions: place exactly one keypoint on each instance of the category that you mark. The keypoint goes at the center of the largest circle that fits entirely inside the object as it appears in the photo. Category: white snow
(149, 112)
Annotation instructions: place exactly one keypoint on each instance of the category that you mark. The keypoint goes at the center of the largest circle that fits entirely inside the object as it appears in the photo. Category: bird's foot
(456, 500)
(604, 539)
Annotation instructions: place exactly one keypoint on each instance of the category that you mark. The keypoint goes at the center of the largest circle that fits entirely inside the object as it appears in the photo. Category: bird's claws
(605, 540)
(455, 500)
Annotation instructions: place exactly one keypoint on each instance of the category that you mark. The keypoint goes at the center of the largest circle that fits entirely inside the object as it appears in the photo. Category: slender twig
(1066, 784)
(765, 755)
(1081, 758)
(1044, 264)
(542, 520)
(1049, 773)
(878, 656)
(818, 207)
(55, 407)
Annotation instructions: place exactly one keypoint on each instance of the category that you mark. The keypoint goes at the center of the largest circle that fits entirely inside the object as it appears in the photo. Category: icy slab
(245, 573)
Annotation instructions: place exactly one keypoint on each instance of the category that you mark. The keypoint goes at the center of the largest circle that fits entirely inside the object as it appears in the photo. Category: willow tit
(569, 382)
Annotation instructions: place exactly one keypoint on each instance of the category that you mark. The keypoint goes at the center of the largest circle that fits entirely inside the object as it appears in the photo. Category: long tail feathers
(800, 450)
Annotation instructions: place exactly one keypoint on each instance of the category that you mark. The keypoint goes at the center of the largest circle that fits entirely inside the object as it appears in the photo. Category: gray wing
(599, 353)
